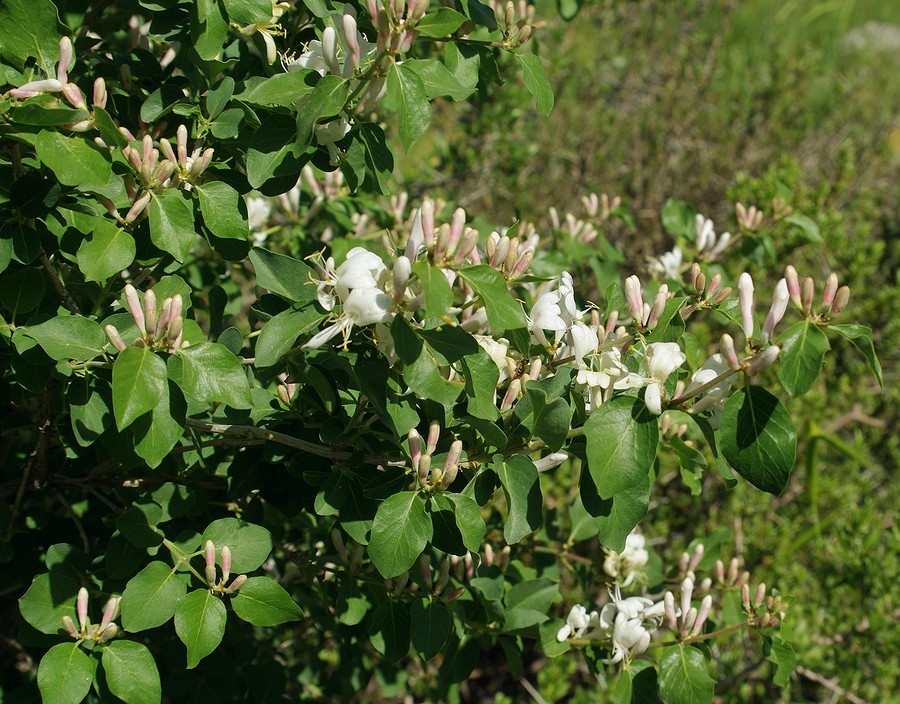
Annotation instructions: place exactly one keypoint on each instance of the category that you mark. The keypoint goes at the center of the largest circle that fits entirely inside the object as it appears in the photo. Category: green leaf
(264, 602)
(807, 226)
(29, 28)
(522, 488)
(45, 111)
(782, 655)
(538, 594)
(803, 348)
(431, 622)
(250, 544)
(326, 100)
(22, 291)
(441, 23)
(172, 223)
(406, 91)
(110, 250)
(378, 158)
(480, 13)
(625, 511)
(683, 677)
(151, 597)
(400, 532)
(138, 524)
(670, 326)
(437, 79)
(200, 624)
(213, 374)
(49, 598)
(536, 82)
(503, 311)
(74, 160)
(217, 98)
(223, 210)
(758, 439)
(622, 437)
(281, 89)
(463, 62)
(279, 333)
(65, 674)
(282, 275)
(131, 672)
(209, 28)
(69, 337)
(692, 463)
(435, 287)
(139, 381)
(457, 522)
(248, 11)
(861, 338)
(482, 375)
(390, 631)
(89, 411)
(423, 376)
(678, 219)
(270, 154)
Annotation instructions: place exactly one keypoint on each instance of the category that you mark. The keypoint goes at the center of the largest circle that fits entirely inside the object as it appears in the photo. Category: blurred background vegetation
(714, 103)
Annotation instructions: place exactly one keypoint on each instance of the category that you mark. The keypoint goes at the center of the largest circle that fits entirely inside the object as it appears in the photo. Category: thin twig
(829, 684)
(57, 284)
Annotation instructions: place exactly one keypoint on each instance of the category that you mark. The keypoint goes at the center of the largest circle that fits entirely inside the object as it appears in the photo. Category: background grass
(715, 102)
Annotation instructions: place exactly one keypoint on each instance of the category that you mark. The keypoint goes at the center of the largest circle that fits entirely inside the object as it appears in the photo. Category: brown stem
(58, 284)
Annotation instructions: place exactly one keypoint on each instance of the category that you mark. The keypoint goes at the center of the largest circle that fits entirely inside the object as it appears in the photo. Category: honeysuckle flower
(629, 638)
(629, 562)
(706, 237)
(714, 398)
(554, 310)
(605, 374)
(361, 269)
(577, 623)
(498, 350)
(362, 306)
(745, 298)
(776, 312)
(329, 133)
(258, 212)
(668, 265)
(268, 29)
(582, 341)
(661, 359)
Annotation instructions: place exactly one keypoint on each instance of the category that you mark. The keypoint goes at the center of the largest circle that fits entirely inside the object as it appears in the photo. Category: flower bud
(807, 291)
(110, 611)
(764, 360)
(415, 448)
(425, 569)
(841, 298)
(714, 285)
(469, 241)
(776, 311)
(760, 596)
(723, 294)
(66, 59)
(720, 571)
(633, 297)
(69, 625)
(728, 351)
(352, 38)
(73, 94)
(226, 562)
(162, 323)
(671, 615)
(181, 137)
(134, 307)
(115, 338)
(733, 568)
(81, 608)
(551, 461)
(793, 284)
(500, 251)
(688, 620)
(107, 633)
(150, 316)
(424, 469)
(434, 433)
(828, 293)
(455, 594)
(659, 305)
(512, 393)
(99, 97)
(745, 297)
(702, 614)
(443, 576)
(700, 283)
(696, 557)
(687, 591)
(138, 207)
(236, 585)
(523, 262)
(209, 553)
(488, 555)
(329, 50)
(745, 596)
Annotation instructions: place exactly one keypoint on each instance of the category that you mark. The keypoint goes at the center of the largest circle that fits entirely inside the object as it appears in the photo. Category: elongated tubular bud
(338, 541)
(696, 557)
(500, 251)
(633, 297)
(181, 137)
(74, 95)
(416, 10)
(467, 245)
(226, 562)
(522, 263)
(841, 298)
(133, 157)
(454, 453)
(99, 96)
(372, 7)
(831, 285)
(146, 147)
(764, 360)
(723, 294)
(81, 608)
(760, 596)
(209, 553)
(236, 585)
(551, 461)
(329, 50)
(415, 448)
(424, 469)
(434, 433)
(134, 307)
(700, 283)
(659, 305)
(776, 311)
(165, 315)
(714, 284)
(807, 291)
(448, 476)
(202, 163)
(728, 351)
(745, 297)
(671, 615)
(428, 222)
(352, 38)
(443, 576)
(535, 370)
(441, 240)
(400, 278)
(162, 173)
(115, 338)
(511, 256)
(425, 569)
(66, 59)
(688, 620)
(733, 568)
(69, 625)
(702, 614)
(512, 393)
(687, 591)
(745, 596)
(137, 208)
(793, 284)
(107, 633)
(174, 331)
(110, 612)
(455, 594)
(720, 571)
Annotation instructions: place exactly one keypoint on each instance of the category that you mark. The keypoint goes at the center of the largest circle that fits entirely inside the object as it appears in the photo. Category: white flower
(258, 211)
(577, 623)
(583, 341)
(714, 398)
(629, 562)
(604, 375)
(706, 237)
(361, 269)
(629, 638)
(554, 310)
(331, 132)
(498, 350)
(668, 265)
(363, 306)
(662, 358)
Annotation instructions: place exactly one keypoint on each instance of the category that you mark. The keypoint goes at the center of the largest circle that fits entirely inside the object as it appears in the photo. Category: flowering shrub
(214, 320)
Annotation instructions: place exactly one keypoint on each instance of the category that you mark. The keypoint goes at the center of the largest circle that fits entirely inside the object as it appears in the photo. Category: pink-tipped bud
(793, 284)
(671, 615)
(133, 157)
(434, 433)
(70, 627)
(99, 97)
(720, 571)
(352, 38)
(702, 614)
(162, 323)
(135, 308)
(443, 576)
(424, 469)
(167, 150)
(467, 245)
(454, 453)
(689, 618)
(522, 263)
(831, 286)
(745, 596)
(181, 138)
(684, 559)
(110, 611)
(728, 351)
(659, 305)
(512, 393)
(760, 596)
(501, 249)
(488, 555)
(745, 297)
(236, 585)
(723, 294)
(81, 608)
(765, 360)
(139, 206)
(415, 448)
(402, 270)
(633, 297)
(209, 553)
(162, 173)
(700, 283)
(707, 581)
(733, 568)
(425, 569)
(73, 94)
(696, 557)
(66, 59)
(112, 334)
(150, 315)
(226, 562)
(108, 633)
(329, 50)
(776, 311)
(841, 299)
(714, 285)
(687, 591)
(807, 291)
(455, 594)
(428, 222)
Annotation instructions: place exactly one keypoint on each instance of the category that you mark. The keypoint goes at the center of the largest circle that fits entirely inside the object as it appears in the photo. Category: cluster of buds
(767, 357)
(433, 478)
(436, 586)
(395, 22)
(351, 557)
(99, 633)
(518, 22)
(188, 168)
(670, 429)
(689, 620)
(708, 293)
(511, 256)
(801, 294)
(645, 315)
(748, 218)
(214, 582)
(599, 208)
(490, 558)
(286, 390)
(61, 84)
(774, 610)
(160, 328)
